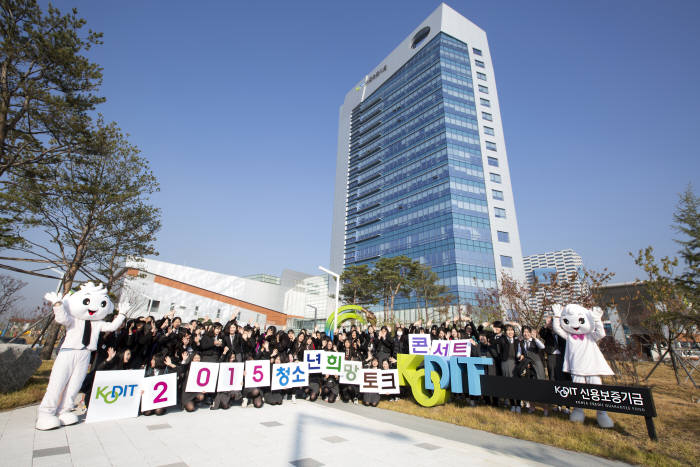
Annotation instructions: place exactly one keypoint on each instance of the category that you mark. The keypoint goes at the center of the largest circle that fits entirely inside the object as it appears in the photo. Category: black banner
(623, 399)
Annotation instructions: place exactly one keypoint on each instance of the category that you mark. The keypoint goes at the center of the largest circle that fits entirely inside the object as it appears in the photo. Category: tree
(529, 304)
(443, 303)
(93, 211)
(9, 287)
(686, 221)
(393, 277)
(130, 235)
(426, 287)
(357, 286)
(671, 313)
(46, 91)
(488, 306)
(516, 299)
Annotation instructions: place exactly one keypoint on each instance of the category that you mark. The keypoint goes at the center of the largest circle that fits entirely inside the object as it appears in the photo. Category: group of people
(167, 345)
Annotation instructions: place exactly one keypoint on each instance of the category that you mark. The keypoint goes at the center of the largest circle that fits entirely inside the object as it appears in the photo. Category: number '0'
(199, 377)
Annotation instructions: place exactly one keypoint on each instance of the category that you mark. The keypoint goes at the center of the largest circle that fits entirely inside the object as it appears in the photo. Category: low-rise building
(155, 288)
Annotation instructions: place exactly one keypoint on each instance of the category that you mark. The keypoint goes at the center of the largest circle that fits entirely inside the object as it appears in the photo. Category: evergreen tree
(393, 277)
(47, 88)
(357, 286)
(90, 213)
(686, 221)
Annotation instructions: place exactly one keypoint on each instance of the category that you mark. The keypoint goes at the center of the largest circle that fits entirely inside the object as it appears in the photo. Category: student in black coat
(330, 389)
(348, 392)
(507, 354)
(314, 388)
(223, 400)
(157, 366)
(247, 343)
(253, 395)
(139, 342)
(371, 398)
(298, 347)
(400, 341)
(274, 397)
(232, 342)
(189, 400)
(384, 347)
(554, 349)
(529, 347)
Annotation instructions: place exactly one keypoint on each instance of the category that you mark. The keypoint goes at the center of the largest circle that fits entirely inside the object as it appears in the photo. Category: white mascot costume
(582, 329)
(81, 313)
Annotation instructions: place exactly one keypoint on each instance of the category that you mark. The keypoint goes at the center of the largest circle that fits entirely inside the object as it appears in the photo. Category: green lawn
(32, 392)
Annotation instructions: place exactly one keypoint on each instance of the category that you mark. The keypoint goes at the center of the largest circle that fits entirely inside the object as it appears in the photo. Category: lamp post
(315, 311)
(337, 293)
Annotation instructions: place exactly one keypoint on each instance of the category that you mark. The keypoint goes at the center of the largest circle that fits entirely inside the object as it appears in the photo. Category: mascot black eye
(104, 303)
(86, 301)
(581, 320)
(566, 321)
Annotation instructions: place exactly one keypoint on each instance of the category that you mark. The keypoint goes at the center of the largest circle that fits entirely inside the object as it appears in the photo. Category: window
(490, 145)
(495, 178)
(476, 51)
(483, 89)
(481, 75)
(479, 63)
(497, 195)
(487, 116)
(507, 261)
(500, 213)
(503, 237)
(485, 102)
(489, 131)
(493, 162)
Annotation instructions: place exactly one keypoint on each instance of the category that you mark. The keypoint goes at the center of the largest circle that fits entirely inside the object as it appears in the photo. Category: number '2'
(159, 398)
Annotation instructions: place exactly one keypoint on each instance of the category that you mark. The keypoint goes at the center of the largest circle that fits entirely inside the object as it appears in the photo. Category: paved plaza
(301, 434)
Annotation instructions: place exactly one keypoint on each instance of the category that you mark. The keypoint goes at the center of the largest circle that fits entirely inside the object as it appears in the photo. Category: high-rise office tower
(422, 169)
(566, 264)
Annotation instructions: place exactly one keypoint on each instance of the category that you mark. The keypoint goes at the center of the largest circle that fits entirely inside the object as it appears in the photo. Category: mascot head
(576, 319)
(90, 302)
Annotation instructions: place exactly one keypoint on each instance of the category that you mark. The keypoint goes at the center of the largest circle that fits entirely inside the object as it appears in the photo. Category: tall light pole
(315, 312)
(337, 293)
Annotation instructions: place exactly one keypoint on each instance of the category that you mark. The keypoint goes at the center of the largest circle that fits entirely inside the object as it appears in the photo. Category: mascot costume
(582, 329)
(81, 313)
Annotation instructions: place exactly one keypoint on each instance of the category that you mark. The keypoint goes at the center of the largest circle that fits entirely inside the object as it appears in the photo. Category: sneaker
(512, 408)
(294, 398)
(244, 403)
(518, 409)
(355, 401)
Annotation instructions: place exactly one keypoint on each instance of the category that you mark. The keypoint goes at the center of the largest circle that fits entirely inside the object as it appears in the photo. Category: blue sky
(235, 104)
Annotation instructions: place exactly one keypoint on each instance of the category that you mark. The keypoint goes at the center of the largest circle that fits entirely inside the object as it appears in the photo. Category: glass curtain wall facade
(416, 182)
